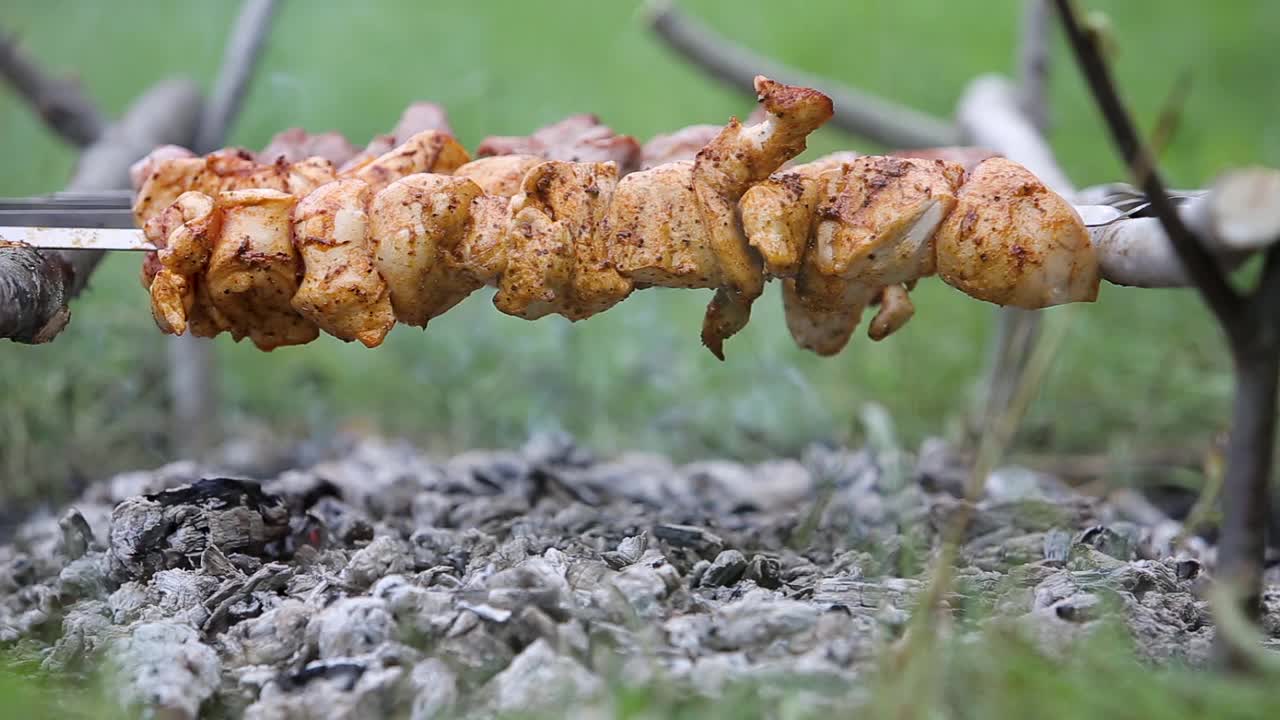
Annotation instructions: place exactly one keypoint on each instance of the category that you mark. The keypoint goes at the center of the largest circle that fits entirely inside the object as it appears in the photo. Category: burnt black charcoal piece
(172, 528)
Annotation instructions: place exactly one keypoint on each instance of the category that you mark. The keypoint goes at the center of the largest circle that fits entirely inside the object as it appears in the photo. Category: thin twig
(59, 101)
(1033, 62)
(239, 62)
(857, 112)
(1218, 294)
(1267, 296)
(193, 375)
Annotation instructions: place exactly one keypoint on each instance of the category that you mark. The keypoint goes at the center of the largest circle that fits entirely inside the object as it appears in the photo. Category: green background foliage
(1138, 368)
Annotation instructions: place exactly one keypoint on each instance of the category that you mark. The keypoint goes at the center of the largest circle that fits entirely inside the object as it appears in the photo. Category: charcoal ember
(487, 472)
(555, 448)
(940, 469)
(702, 541)
(86, 631)
(170, 528)
(645, 584)
(435, 690)
(1119, 540)
(272, 638)
(757, 620)
(77, 536)
(472, 650)
(239, 597)
(164, 668)
(731, 487)
(764, 572)
(423, 615)
(726, 570)
(646, 478)
(628, 551)
(86, 578)
(539, 679)
(533, 582)
(343, 523)
(381, 557)
(380, 478)
(351, 626)
(340, 689)
(16, 571)
(179, 595)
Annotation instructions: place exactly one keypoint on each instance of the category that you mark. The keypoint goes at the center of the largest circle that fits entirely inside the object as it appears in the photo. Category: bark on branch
(1250, 324)
(193, 375)
(58, 101)
(36, 286)
(861, 113)
(1197, 262)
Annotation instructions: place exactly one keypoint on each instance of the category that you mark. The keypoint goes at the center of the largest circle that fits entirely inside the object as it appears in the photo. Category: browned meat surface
(341, 290)
(295, 145)
(254, 270)
(577, 138)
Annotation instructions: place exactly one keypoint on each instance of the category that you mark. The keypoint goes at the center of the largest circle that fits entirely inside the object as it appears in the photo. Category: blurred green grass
(1139, 368)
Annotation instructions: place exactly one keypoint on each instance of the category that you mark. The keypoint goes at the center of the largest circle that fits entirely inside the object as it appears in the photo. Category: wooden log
(35, 286)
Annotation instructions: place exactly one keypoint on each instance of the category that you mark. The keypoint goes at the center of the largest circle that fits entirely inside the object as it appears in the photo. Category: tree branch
(193, 376)
(35, 286)
(58, 101)
(1033, 63)
(1197, 262)
(857, 112)
(990, 116)
(239, 62)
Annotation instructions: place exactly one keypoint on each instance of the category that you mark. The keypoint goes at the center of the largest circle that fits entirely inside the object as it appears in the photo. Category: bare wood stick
(1033, 62)
(239, 62)
(36, 286)
(193, 371)
(59, 101)
(990, 115)
(857, 112)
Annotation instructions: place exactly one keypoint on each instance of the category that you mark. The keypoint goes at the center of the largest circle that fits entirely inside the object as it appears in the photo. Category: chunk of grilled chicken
(253, 272)
(295, 145)
(577, 138)
(195, 184)
(777, 214)
(430, 151)
(184, 232)
(1013, 241)
(220, 171)
(142, 169)
(867, 228)
(341, 291)
(874, 229)
(557, 258)
(679, 146)
(419, 224)
(499, 174)
(418, 117)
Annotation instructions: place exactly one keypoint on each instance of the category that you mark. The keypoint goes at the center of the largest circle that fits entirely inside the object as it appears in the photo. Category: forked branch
(58, 101)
